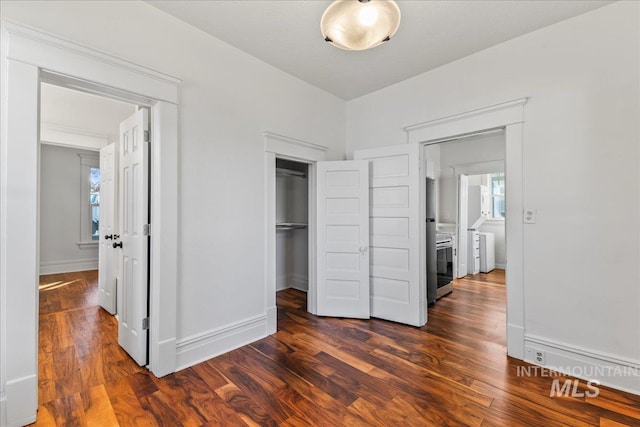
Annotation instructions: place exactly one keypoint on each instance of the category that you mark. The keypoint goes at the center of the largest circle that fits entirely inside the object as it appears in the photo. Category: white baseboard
(281, 282)
(3, 411)
(272, 320)
(610, 370)
(501, 266)
(295, 281)
(21, 401)
(166, 358)
(515, 341)
(299, 282)
(55, 267)
(204, 346)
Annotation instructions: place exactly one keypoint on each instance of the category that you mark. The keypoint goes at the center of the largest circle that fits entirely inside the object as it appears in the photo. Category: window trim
(87, 161)
(493, 195)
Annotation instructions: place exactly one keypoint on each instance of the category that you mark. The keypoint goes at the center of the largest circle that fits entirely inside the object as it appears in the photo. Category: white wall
(60, 189)
(581, 165)
(227, 100)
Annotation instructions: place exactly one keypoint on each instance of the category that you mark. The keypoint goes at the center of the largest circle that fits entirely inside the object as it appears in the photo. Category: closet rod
(290, 226)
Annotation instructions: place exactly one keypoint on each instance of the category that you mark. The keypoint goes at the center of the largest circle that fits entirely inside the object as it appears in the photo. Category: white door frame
(510, 116)
(480, 168)
(29, 57)
(284, 147)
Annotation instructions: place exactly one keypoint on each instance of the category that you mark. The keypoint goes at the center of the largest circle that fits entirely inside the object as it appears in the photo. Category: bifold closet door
(394, 214)
(343, 239)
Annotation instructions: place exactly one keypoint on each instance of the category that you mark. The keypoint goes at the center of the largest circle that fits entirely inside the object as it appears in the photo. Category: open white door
(462, 237)
(343, 239)
(107, 261)
(394, 213)
(133, 221)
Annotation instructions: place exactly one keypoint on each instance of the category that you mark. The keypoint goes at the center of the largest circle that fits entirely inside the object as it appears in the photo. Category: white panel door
(107, 261)
(395, 261)
(462, 235)
(343, 239)
(134, 215)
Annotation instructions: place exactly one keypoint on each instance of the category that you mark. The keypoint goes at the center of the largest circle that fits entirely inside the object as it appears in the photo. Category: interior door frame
(509, 116)
(490, 166)
(27, 60)
(288, 148)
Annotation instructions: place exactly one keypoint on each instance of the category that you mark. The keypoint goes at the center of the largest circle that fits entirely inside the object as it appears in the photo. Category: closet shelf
(290, 226)
(290, 172)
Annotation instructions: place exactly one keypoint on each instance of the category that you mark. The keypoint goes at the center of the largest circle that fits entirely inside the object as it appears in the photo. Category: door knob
(108, 236)
(363, 249)
(117, 245)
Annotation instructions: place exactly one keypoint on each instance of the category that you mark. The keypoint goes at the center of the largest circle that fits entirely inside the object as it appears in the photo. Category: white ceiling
(286, 34)
(72, 109)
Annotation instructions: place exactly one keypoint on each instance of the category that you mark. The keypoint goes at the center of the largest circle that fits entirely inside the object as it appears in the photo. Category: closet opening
(292, 225)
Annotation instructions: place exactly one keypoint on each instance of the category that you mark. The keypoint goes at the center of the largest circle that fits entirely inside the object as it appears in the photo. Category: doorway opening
(79, 135)
(296, 161)
(465, 226)
(76, 66)
(292, 221)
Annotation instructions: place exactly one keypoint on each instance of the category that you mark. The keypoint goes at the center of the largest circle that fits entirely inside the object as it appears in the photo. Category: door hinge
(145, 323)
(146, 229)
(147, 136)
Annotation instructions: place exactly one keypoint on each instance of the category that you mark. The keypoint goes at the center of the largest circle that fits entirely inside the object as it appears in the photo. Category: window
(496, 184)
(89, 200)
(94, 202)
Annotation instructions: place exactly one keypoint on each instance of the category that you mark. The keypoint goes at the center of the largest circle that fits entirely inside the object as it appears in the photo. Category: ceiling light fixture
(360, 24)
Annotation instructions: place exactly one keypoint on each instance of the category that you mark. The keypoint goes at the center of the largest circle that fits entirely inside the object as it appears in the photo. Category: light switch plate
(530, 216)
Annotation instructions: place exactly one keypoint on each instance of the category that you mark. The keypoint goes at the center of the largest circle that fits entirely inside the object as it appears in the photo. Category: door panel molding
(133, 195)
(107, 270)
(342, 286)
(395, 207)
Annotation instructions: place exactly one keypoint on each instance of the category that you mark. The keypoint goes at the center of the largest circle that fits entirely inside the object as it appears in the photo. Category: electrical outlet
(530, 216)
(536, 356)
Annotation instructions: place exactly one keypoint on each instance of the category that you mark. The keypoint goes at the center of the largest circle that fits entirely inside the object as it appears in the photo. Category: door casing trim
(29, 57)
(285, 147)
(510, 117)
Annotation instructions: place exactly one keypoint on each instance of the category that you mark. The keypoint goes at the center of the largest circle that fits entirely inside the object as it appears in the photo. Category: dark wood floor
(313, 371)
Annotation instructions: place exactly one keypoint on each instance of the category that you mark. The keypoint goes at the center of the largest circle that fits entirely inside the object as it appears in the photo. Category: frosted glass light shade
(360, 24)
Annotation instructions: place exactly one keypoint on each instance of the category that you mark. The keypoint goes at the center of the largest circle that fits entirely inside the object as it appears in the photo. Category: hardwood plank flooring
(313, 372)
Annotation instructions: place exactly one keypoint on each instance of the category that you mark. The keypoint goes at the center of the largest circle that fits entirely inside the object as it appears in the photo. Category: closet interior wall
(292, 237)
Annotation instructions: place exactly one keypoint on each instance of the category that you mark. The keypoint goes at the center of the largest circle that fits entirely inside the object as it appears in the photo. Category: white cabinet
(487, 252)
(473, 252)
